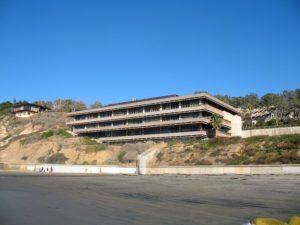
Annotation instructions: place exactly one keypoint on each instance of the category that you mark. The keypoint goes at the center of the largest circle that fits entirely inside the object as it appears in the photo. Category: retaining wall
(271, 131)
(220, 170)
(184, 170)
(72, 168)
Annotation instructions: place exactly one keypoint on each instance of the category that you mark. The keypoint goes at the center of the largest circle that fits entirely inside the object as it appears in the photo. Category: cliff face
(23, 141)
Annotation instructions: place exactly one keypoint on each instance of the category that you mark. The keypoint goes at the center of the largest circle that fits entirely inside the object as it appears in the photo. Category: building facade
(167, 117)
(27, 110)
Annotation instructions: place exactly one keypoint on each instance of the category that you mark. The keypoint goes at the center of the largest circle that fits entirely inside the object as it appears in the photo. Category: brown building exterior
(161, 118)
(27, 109)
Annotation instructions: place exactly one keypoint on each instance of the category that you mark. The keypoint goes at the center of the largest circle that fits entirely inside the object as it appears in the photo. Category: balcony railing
(155, 136)
(149, 114)
(145, 125)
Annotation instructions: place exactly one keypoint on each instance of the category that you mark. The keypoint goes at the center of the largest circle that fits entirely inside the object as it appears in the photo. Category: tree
(216, 122)
(96, 105)
(224, 98)
(68, 105)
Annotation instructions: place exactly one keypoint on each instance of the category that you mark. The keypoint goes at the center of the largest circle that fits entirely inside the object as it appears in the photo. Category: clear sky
(113, 51)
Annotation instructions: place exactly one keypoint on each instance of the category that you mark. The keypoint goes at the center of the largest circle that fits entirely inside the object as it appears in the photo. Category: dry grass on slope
(283, 149)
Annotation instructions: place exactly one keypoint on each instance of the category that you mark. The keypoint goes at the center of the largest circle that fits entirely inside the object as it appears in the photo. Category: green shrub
(172, 142)
(87, 141)
(24, 158)
(121, 155)
(159, 156)
(41, 159)
(203, 162)
(197, 146)
(254, 139)
(237, 161)
(188, 150)
(100, 147)
(206, 145)
(63, 133)
(6, 137)
(47, 134)
(57, 158)
(85, 163)
(24, 141)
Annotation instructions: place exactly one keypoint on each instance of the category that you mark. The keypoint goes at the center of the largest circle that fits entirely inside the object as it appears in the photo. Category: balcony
(150, 114)
(154, 136)
(145, 125)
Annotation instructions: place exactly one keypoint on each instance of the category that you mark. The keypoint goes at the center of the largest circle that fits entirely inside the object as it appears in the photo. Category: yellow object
(267, 221)
(295, 220)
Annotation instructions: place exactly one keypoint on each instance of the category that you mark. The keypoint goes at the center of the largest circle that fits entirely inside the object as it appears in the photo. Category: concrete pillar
(179, 105)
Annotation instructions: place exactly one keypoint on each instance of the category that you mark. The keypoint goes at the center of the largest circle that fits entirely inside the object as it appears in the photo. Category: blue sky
(114, 51)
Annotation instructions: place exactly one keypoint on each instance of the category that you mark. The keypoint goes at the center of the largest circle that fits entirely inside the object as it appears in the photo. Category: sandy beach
(117, 200)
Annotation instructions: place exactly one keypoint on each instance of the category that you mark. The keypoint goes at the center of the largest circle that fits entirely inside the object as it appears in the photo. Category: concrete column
(179, 105)
(160, 107)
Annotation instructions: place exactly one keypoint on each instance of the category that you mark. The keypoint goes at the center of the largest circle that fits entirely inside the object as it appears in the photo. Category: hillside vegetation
(283, 149)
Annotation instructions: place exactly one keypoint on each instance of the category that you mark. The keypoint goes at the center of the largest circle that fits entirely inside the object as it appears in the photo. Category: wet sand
(117, 200)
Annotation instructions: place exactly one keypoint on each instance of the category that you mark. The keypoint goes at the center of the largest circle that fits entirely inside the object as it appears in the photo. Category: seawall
(174, 170)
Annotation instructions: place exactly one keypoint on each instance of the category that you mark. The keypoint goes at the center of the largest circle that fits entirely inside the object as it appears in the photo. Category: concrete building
(27, 110)
(160, 118)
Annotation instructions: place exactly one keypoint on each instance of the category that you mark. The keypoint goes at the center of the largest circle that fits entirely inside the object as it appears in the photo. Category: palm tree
(216, 122)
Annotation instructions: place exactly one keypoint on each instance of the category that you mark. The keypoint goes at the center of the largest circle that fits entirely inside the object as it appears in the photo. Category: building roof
(142, 100)
(29, 104)
(158, 100)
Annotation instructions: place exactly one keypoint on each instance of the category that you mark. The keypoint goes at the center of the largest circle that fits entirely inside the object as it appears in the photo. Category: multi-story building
(160, 118)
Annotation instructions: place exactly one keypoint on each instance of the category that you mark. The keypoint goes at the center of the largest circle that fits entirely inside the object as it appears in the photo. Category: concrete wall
(184, 170)
(221, 170)
(72, 168)
(236, 123)
(144, 159)
(87, 169)
(271, 131)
